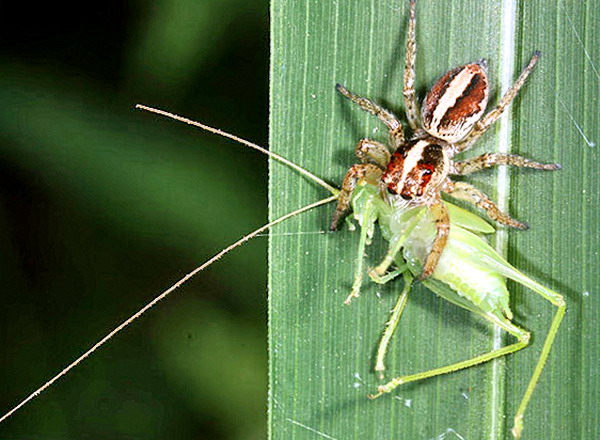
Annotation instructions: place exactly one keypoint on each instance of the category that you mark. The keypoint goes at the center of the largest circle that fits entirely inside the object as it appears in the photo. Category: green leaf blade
(322, 353)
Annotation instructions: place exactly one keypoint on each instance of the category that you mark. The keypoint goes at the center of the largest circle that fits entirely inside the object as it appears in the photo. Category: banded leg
(368, 172)
(523, 340)
(442, 226)
(488, 160)
(410, 98)
(492, 116)
(373, 152)
(469, 193)
(387, 117)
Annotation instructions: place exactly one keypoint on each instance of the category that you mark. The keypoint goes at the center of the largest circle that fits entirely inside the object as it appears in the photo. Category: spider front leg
(442, 226)
(469, 193)
(394, 126)
(370, 173)
(373, 152)
(488, 160)
(410, 97)
(484, 123)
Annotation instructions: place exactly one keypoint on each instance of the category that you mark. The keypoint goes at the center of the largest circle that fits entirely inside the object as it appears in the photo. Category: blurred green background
(102, 207)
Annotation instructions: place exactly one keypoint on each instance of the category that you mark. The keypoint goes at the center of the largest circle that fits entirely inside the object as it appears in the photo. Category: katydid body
(469, 273)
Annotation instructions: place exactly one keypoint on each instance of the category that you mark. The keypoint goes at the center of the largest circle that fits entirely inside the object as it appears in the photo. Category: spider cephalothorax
(416, 170)
(419, 169)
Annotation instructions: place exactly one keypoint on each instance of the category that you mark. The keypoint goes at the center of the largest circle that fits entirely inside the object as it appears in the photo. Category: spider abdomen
(456, 102)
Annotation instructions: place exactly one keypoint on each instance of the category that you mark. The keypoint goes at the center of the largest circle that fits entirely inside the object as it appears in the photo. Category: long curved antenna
(333, 190)
(159, 298)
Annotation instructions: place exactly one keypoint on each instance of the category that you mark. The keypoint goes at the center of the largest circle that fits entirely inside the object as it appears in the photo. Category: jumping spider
(419, 170)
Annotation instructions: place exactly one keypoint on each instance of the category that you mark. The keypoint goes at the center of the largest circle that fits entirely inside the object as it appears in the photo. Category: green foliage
(322, 353)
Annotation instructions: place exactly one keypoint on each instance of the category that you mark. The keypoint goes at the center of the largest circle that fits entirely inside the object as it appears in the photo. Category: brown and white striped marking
(456, 102)
(416, 168)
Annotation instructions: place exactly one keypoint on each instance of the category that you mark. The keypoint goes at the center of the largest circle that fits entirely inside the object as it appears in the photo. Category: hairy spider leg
(492, 116)
(488, 160)
(442, 226)
(468, 193)
(394, 126)
(410, 96)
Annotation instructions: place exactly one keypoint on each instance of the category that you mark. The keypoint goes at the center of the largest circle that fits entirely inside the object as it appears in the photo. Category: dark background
(102, 207)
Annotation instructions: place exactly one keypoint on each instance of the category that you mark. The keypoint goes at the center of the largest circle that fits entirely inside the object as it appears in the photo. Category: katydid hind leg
(522, 341)
(558, 301)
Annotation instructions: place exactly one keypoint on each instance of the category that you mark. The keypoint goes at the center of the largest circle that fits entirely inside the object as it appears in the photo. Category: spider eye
(427, 172)
(391, 190)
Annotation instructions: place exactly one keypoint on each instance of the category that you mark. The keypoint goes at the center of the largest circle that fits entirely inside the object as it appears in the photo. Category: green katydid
(470, 274)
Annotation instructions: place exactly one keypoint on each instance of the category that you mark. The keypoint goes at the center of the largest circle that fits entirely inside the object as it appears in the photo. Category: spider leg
(488, 160)
(410, 98)
(468, 193)
(442, 225)
(373, 152)
(492, 116)
(387, 117)
(368, 172)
